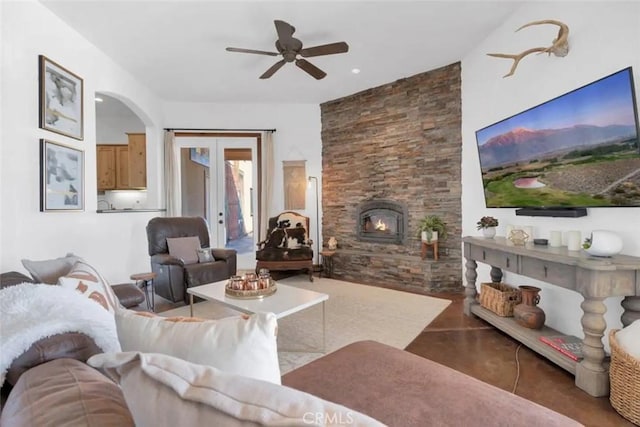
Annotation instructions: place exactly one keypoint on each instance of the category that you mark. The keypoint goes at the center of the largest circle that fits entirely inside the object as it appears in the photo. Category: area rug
(353, 312)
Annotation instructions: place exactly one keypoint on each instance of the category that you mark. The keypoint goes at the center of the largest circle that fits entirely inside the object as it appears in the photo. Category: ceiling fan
(290, 47)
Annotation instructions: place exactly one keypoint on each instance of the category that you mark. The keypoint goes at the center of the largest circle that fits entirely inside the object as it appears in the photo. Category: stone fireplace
(390, 156)
(382, 221)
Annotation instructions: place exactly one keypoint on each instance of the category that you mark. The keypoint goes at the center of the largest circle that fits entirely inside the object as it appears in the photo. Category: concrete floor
(474, 347)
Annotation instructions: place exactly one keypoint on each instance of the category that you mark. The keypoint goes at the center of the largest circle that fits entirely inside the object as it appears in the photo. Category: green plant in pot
(432, 228)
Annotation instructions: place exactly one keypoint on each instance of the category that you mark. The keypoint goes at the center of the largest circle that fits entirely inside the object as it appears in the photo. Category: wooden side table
(145, 282)
(327, 262)
(425, 245)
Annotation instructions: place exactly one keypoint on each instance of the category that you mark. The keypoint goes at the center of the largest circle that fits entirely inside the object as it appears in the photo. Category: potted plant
(432, 228)
(488, 226)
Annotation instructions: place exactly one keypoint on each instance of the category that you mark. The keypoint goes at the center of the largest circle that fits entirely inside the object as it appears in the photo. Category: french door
(218, 178)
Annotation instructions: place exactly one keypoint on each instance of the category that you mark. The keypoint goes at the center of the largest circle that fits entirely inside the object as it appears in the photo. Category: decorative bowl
(604, 243)
(250, 293)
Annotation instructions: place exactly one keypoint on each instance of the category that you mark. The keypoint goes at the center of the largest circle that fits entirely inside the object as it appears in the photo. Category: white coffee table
(285, 301)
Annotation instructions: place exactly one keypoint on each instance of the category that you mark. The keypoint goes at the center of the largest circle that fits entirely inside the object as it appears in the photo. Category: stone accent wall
(401, 141)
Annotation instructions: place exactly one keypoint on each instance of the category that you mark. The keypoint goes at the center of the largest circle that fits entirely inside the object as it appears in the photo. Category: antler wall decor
(559, 47)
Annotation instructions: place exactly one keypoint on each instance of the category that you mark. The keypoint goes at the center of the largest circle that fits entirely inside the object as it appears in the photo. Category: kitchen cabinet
(137, 160)
(122, 166)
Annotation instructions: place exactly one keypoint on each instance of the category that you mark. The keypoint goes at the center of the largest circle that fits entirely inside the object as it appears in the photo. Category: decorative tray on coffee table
(250, 293)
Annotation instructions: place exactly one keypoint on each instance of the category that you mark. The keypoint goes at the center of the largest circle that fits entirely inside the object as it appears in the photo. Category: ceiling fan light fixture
(290, 47)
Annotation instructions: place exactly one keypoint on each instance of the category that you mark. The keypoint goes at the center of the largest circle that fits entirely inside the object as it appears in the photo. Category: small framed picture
(61, 100)
(61, 177)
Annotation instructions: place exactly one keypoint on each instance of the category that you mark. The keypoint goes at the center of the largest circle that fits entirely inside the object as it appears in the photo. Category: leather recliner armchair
(173, 275)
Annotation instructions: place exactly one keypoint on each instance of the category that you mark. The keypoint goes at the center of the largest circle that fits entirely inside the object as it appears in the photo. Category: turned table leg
(496, 274)
(591, 375)
(470, 288)
(631, 312)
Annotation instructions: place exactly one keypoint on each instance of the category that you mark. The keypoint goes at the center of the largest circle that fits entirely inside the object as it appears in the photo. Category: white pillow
(242, 345)
(87, 281)
(629, 339)
(164, 391)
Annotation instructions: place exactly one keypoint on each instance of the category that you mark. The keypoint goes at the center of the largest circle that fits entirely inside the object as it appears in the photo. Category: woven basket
(624, 376)
(499, 298)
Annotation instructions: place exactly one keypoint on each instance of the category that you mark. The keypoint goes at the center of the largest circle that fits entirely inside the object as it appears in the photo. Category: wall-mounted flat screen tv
(580, 149)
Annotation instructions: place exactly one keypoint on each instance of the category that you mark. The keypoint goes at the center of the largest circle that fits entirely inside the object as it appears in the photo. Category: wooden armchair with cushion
(287, 245)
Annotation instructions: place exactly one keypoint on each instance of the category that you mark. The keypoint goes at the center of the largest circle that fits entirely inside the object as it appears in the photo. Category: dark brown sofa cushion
(11, 278)
(65, 392)
(401, 389)
(70, 345)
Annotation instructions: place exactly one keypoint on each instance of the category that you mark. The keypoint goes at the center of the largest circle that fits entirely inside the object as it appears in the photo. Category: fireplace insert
(382, 221)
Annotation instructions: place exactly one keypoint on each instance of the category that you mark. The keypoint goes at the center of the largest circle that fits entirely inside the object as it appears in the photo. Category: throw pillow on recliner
(205, 255)
(184, 248)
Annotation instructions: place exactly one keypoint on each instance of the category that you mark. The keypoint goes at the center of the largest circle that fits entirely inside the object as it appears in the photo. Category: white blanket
(30, 312)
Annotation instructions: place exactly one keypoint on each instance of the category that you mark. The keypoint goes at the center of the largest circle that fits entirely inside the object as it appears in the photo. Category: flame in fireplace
(381, 226)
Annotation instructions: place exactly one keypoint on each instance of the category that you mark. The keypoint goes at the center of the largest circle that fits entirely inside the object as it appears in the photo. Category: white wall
(604, 38)
(115, 243)
(297, 138)
(114, 129)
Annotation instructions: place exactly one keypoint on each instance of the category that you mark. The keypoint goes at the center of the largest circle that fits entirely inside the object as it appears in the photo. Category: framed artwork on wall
(61, 177)
(295, 184)
(61, 100)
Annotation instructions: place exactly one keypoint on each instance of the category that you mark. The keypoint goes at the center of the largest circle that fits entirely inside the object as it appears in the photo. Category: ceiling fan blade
(307, 66)
(258, 52)
(275, 67)
(325, 49)
(285, 33)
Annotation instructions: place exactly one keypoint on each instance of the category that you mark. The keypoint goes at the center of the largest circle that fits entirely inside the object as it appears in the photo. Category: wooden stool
(327, 262)
(145, 281)
(434, 245)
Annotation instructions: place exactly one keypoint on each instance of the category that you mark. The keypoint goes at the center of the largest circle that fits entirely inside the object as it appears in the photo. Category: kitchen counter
(128, 210)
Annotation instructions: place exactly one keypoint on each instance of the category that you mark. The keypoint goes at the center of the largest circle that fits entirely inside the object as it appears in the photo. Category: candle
(573, 240)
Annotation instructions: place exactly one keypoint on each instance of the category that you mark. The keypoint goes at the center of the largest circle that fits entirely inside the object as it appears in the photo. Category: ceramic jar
(527, 313)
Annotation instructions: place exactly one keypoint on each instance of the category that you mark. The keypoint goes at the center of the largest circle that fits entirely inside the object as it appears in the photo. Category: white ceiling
(177, 48)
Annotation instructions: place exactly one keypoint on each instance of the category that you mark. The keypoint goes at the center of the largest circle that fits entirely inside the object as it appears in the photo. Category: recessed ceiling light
(355, 70)
(98, 99)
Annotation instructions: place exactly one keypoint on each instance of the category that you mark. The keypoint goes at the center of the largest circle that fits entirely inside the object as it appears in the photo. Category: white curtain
(267, 183)
(170, 177)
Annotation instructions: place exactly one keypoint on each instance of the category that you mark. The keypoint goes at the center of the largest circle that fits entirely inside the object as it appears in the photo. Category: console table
(594, 278)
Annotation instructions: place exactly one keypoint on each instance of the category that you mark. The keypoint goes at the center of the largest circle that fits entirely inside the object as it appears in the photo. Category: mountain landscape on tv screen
(524, 145)
(582, 165)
